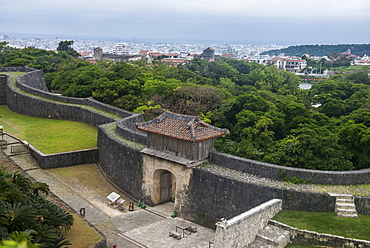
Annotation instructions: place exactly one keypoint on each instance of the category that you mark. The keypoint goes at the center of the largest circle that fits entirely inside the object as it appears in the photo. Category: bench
(175, 234)
(193, 229)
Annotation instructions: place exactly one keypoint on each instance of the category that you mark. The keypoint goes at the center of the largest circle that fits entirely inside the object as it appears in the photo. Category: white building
(121, 49)
(292, 64)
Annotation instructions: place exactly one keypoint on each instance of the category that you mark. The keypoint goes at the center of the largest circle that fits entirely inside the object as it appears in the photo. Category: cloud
(238, 20)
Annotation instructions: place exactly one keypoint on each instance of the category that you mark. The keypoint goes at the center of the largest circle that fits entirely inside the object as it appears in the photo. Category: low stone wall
(64, 159)
(363, 204)
(28, 104)
(16, 69)
(274, 171)
(3, 82)
(34, 80)
(242, 229)
(33, 83)
(303, 237)
(127, 129)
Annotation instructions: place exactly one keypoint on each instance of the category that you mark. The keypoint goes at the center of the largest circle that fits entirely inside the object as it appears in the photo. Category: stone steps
(271, 237)
(345, 205)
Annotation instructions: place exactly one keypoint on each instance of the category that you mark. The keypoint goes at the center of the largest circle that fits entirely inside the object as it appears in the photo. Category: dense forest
(269, 117)
(322, 50)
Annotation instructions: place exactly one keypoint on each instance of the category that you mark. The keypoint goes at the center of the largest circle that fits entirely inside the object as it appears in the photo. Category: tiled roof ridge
(192, 123)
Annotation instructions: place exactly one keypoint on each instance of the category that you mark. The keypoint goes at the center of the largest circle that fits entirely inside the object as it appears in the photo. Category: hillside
(322, 50)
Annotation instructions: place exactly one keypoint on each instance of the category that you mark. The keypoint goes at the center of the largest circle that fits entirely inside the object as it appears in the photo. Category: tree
(66, 46)
(355, 141)
(310, 147)
(26, 216)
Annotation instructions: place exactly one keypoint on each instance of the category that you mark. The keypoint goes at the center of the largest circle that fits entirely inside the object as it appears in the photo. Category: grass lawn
(87, 175)
(330, 223)
(49, 136)
(81, 234)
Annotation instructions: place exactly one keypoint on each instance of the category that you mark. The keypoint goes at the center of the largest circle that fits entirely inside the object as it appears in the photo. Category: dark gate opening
(166, 190)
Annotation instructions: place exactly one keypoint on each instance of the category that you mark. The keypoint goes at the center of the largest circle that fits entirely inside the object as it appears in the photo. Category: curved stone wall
(33, 82)
(127, 128)
(210, 195)
(275, 171)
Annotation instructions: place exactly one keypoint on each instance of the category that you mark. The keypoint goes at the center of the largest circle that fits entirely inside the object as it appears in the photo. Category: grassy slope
(81, 234)
(49, 136)
(355, 228)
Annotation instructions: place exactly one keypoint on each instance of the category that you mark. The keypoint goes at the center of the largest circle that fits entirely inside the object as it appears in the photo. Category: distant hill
(322, 50)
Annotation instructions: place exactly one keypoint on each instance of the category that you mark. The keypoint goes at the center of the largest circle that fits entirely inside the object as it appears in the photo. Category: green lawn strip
(48, 135)
(13, 75)
(330, 223)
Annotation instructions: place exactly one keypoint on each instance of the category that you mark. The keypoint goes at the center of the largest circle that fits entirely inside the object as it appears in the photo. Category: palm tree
(24, 238)
(26, 217)
(37, 186)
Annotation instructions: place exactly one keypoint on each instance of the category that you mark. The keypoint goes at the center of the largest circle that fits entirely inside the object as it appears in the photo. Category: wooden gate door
(166, 187)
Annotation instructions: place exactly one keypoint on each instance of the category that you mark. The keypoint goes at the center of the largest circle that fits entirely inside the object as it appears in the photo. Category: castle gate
(164, 180)
(175, 144)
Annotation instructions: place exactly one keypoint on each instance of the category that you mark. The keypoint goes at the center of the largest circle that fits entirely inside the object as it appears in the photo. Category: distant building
(121, 49)
(292, 64)
(364, 61)
(230, 56)
(99, 55)
(208, 54)
(174, 61)
(3, 37)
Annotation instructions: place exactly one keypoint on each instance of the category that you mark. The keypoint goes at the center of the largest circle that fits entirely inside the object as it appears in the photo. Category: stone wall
(3, 81)
(214, 195)
(127, 128)
(33, 83)
(16, 69)
(28, 104)
(64, 159)
(34, 80)
(274, 171)
(121, 160)
(303, 237)
(241, 230)
(362, 204)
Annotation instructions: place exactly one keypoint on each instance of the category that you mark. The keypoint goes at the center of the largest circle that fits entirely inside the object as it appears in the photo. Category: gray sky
(285, 22)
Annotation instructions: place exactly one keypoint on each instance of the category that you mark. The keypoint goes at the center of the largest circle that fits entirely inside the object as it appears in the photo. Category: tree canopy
(322, 50)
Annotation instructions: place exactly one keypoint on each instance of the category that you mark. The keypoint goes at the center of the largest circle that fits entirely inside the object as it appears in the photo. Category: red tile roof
(184, 127)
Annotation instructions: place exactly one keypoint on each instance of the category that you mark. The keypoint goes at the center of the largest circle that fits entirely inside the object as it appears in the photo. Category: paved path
(140, 228)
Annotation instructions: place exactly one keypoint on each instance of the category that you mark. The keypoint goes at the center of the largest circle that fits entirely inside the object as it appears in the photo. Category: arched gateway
(176, 143)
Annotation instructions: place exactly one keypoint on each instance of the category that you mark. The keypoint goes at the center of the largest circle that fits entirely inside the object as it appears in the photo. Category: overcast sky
(284, 22)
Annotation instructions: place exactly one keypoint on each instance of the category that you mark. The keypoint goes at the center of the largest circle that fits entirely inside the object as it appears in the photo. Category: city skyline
(283, 22)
